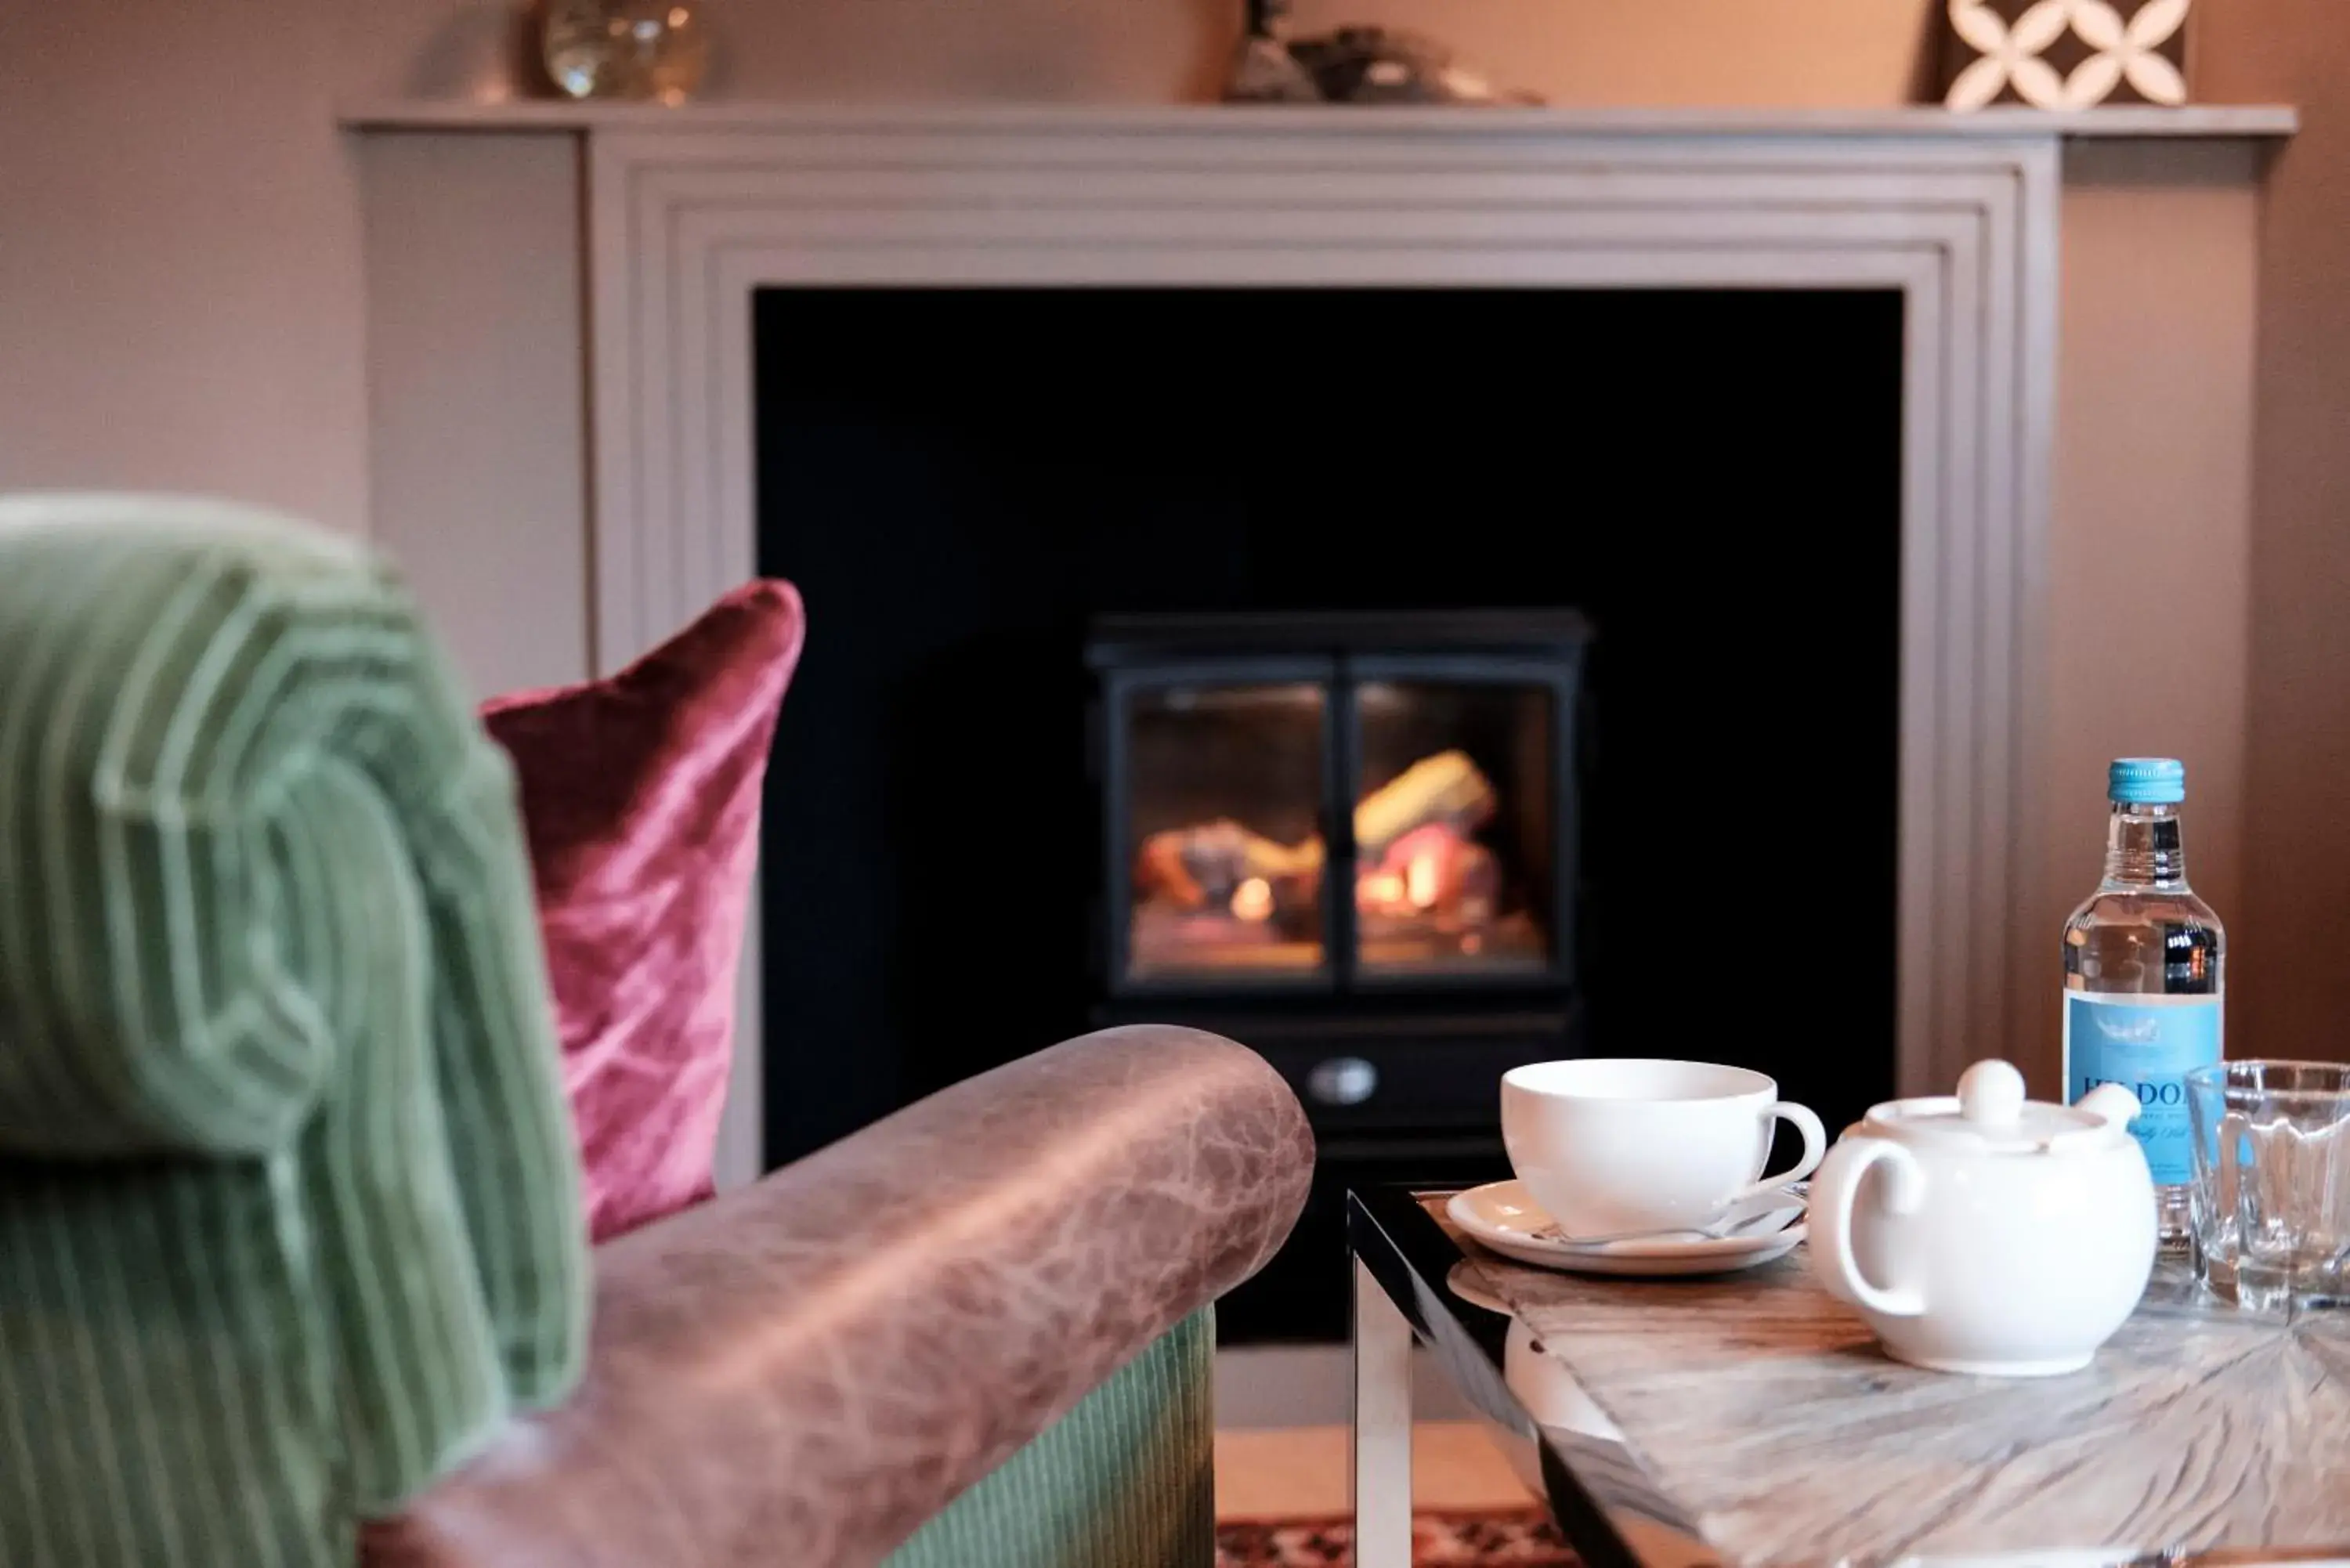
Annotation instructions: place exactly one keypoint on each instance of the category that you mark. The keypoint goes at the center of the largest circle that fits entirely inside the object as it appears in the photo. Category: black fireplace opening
(1405, 682)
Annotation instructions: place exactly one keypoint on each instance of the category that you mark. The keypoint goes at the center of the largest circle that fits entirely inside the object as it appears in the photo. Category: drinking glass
(2270, 1207)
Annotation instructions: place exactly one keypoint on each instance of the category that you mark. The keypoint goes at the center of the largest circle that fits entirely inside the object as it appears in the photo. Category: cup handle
(1815, 1143)
(1831, 1217)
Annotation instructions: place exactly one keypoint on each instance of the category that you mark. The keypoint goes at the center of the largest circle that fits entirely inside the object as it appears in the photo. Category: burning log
(1445, 790)
(1413, 829)
(1193, 867)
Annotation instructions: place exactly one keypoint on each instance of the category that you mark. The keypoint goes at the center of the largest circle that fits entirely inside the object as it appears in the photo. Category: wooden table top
(1762, 1408)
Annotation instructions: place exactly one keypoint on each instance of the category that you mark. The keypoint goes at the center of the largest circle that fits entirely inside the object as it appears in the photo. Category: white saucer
(1502, 1215)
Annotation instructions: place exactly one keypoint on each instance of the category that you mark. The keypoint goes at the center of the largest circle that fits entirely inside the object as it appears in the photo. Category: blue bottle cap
(2147, 781)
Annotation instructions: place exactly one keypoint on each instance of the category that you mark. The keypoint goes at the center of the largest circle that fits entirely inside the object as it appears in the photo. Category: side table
(1748, 1419)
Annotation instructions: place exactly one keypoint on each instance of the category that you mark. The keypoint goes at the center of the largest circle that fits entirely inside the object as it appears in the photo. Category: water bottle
(2142, 976)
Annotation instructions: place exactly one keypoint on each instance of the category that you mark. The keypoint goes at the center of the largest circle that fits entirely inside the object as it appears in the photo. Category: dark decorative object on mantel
(1353, 65)
(2064, 54)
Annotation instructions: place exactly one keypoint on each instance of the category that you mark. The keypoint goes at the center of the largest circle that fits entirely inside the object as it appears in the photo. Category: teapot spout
(2114, 1103)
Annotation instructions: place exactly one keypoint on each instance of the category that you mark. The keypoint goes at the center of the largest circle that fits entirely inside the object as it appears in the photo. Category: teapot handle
(1833, 1193)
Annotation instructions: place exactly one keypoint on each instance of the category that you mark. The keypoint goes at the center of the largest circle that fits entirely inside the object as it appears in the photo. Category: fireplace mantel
(689, 212)
(2116, 122)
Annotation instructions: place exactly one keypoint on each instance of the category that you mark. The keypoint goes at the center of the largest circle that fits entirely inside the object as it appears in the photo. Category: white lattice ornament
(2067, 54)
(2127, 51)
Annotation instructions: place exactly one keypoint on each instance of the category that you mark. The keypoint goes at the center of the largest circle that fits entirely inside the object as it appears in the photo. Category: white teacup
(1613, 1145)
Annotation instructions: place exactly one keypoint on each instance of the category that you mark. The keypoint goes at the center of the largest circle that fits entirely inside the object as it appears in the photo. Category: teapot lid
(1989, 1115)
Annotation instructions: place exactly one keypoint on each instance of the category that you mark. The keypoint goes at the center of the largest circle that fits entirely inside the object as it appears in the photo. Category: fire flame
(1253, 900)
(1420, 881)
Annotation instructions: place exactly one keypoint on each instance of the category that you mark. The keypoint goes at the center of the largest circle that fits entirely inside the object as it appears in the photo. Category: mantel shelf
(2206, 120)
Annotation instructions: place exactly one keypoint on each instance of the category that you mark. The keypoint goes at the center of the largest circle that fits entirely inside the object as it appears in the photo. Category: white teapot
(2001, 1236)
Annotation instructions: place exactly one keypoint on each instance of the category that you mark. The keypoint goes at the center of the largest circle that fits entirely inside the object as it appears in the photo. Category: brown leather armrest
(806, 1370)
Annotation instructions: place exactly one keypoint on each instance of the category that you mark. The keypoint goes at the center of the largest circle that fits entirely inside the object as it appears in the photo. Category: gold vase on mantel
(649, 50)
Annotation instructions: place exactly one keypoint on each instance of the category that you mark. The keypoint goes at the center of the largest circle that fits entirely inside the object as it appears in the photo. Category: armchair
(290, 1221)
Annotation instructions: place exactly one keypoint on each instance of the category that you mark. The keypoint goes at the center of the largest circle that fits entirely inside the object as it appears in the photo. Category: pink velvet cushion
(641, 797)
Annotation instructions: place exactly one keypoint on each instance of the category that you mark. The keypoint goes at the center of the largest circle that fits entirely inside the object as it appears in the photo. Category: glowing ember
(1252, 900)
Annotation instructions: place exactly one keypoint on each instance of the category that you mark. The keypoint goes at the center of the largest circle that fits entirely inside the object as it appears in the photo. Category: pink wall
(180, 288)
(2294, 932)
(1703, 52)
(2151, 545)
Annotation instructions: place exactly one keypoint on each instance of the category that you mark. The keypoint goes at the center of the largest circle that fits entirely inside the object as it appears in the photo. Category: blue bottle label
(2147, 1044)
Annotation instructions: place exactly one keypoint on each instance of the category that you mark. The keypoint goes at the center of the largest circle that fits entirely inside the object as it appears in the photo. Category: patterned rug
(1510, 1538)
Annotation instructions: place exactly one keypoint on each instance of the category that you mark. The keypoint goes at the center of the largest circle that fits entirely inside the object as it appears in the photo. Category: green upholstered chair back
(288, 1208)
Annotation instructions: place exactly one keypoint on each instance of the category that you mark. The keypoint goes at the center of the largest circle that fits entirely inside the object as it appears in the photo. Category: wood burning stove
(1348, 840)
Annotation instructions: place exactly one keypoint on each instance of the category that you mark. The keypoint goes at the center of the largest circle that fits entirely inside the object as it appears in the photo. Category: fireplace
(718, 451)
(1320, 808)
(1294, 663)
